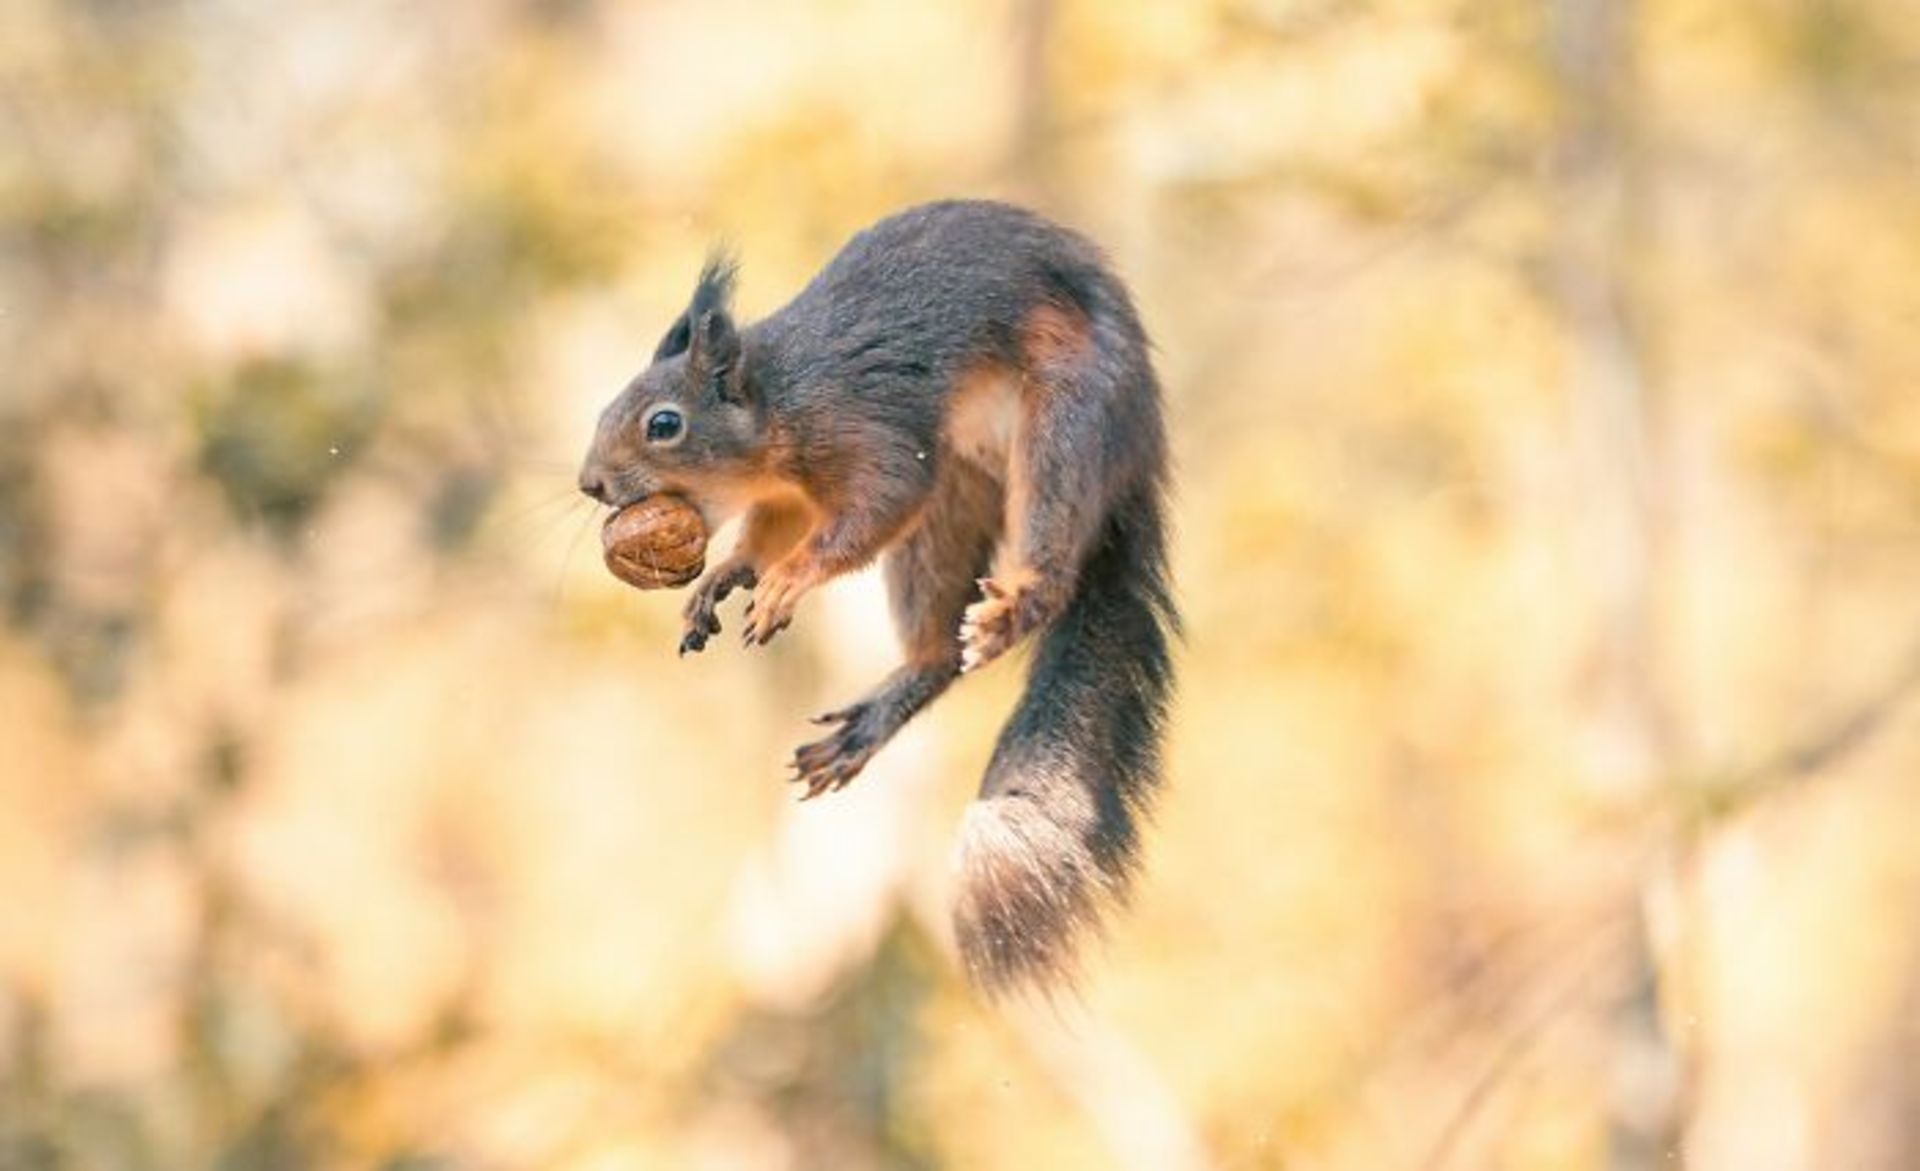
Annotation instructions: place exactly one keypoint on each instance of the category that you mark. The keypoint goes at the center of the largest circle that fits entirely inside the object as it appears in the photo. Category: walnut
(656, 543)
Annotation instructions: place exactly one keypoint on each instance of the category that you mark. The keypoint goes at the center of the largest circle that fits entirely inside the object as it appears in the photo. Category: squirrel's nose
(594, 484)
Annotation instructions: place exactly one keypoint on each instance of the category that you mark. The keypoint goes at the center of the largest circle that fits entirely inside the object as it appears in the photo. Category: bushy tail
(1053, 840)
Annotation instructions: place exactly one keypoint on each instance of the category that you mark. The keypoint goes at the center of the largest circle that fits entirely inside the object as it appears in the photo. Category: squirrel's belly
(982, 415)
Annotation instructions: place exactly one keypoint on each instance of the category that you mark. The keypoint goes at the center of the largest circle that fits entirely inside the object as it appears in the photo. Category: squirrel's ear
(676, 340)
(714, 355)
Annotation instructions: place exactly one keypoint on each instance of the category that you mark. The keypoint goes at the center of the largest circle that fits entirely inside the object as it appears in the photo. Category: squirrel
(963, 381)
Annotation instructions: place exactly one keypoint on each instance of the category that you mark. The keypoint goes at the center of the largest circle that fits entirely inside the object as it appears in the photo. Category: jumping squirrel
(965, 388)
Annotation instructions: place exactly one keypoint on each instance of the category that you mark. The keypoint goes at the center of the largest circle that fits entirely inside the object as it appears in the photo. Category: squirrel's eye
(665, 425)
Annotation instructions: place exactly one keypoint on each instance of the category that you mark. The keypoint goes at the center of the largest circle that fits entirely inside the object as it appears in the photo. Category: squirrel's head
(691, 421)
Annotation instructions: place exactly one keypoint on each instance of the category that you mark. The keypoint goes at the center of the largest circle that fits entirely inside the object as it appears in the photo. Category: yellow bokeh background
(1544, 380)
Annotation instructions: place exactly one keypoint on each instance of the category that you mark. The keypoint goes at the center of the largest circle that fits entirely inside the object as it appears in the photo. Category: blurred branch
(1434, 220)
(1115, 1086)
(1523, 1040)
(1622, 481)
(1724, 796)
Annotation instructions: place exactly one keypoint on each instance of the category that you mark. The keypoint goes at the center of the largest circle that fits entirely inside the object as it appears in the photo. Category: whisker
(546, 504)
(555, 466)
(573, 546)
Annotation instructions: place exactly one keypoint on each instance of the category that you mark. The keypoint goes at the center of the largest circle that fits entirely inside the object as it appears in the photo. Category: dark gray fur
(844, 394)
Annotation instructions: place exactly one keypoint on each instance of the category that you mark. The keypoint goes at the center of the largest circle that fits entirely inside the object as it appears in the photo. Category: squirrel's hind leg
(930, 579)
(1088, 432)
(865, 726)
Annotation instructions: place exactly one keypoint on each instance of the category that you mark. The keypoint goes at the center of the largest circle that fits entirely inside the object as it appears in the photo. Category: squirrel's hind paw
(827, 764)
(1004, 615)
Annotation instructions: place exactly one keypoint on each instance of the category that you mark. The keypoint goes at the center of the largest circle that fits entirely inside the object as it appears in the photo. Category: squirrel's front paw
(699, 630)
(701, 621)
(771, 610)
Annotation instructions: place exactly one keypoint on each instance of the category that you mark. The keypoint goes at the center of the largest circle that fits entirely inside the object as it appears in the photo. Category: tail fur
(1052, 842)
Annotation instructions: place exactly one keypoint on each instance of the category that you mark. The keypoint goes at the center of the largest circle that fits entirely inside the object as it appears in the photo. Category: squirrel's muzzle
(596, 485)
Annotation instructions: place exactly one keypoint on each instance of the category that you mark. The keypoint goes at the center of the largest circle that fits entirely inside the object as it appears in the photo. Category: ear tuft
(712, 295)
(714, 291)
(713, 350)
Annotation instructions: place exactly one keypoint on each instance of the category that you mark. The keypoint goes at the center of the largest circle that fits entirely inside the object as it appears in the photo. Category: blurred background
(1545, 381)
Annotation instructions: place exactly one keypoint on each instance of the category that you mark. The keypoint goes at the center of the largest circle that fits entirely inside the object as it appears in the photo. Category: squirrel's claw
(986, 629)
(760, 633)
(702, 623)
(771, 610)
(829, 763)
(1004, 614)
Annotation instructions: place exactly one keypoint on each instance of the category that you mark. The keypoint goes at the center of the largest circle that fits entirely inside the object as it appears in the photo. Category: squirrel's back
(932, 291)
